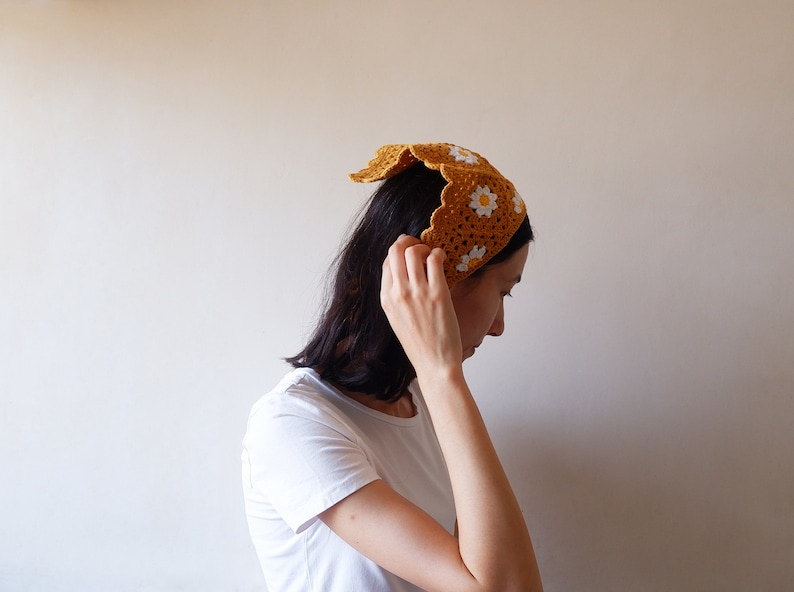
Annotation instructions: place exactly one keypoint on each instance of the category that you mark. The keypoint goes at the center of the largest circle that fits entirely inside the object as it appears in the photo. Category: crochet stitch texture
(480, 209)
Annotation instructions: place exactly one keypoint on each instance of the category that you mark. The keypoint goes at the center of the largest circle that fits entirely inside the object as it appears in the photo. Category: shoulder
(299, 401)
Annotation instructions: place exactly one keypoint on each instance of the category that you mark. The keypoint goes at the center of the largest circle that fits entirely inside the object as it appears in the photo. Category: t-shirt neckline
(379, 415)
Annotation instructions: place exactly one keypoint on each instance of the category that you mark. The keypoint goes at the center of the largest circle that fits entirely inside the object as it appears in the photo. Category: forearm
(494, 542)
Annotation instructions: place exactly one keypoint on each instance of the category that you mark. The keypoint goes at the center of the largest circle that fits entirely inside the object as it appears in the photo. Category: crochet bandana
(480, 209)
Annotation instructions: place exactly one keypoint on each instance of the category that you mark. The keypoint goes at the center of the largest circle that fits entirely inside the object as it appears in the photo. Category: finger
(396, 261)
(386, 280)
(415, 257)
(396, 256)
(435, 268)
(406, 240)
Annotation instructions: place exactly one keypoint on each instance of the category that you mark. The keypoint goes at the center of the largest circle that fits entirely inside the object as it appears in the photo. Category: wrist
(440, 376)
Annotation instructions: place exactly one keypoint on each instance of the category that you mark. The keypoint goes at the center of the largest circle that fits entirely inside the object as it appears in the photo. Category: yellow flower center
(485, 200)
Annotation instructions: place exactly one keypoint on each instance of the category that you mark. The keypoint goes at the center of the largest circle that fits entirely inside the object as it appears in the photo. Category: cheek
(476, 310)
(475, 320)
(467, 316)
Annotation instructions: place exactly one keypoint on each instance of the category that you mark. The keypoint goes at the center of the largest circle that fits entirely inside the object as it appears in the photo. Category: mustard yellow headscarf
(480, 209)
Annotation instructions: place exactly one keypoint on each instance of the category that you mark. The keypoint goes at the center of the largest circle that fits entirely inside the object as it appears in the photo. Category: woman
(369, 468)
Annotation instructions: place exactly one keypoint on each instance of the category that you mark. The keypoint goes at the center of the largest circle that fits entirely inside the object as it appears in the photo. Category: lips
(470, 352)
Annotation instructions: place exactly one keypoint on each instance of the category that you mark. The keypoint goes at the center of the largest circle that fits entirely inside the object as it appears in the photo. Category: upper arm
(400, 537)
(303, 466)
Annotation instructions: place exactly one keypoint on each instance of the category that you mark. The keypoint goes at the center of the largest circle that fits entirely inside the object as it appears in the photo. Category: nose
(498, 324)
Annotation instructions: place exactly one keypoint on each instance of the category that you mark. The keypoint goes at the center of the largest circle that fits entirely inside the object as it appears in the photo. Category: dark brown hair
(353, 345)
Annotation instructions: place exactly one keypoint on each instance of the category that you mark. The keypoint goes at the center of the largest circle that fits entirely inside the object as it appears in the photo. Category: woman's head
(353, 345)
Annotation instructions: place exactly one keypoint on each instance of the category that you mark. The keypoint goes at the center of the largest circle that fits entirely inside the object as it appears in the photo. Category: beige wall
(172, 187)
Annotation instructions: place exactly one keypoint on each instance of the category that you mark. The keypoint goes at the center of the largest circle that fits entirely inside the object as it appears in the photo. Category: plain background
(173, 187)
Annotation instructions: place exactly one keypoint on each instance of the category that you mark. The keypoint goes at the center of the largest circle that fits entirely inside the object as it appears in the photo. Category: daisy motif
(475, 254)
(483, 201)
(518, 203)
(463, 155)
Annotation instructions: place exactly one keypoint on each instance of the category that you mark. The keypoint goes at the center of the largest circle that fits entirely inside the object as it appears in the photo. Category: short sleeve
(303, 458)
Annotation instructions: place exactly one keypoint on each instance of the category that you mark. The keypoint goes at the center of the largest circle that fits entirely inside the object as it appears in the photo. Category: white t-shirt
(307, 447)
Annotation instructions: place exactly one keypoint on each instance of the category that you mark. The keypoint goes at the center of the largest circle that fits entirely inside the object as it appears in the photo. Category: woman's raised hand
(415, 296)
